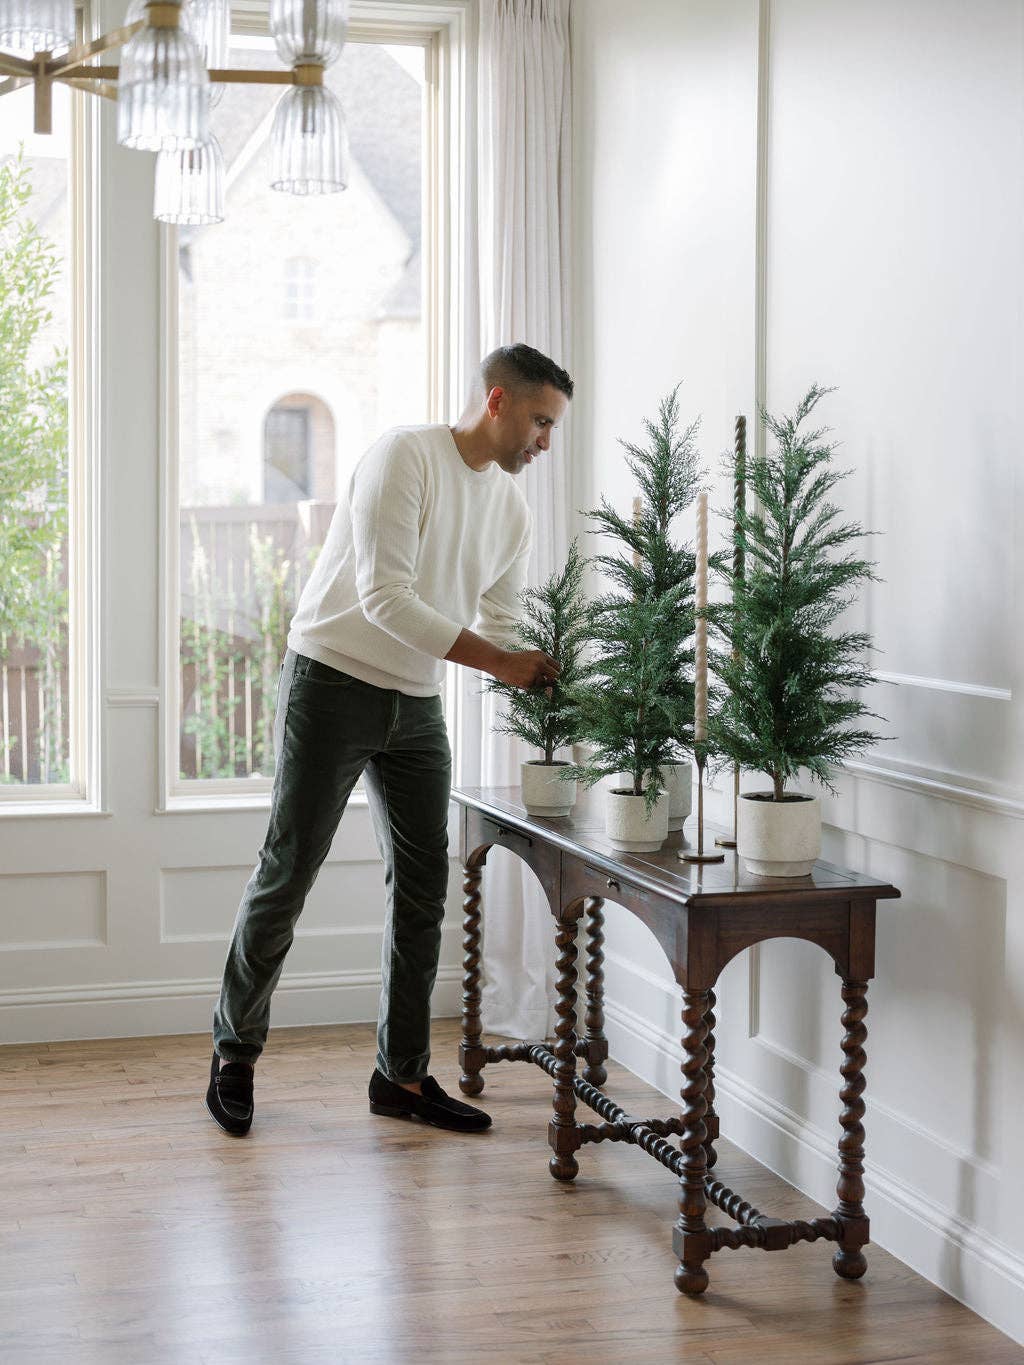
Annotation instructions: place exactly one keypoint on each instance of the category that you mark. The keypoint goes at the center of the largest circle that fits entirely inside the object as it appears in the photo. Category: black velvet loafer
(229, 1097)
(433, 1106)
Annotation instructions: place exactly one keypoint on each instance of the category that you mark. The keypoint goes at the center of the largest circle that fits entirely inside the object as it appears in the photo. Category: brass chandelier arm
(84, 76)
(74, 68)
(105, 89)
(16, 66)
(73, 59)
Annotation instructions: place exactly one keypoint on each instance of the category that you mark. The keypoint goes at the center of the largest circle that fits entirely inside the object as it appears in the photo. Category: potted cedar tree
(556, 619)
(627, 713)
(650, 562)
(790, 678)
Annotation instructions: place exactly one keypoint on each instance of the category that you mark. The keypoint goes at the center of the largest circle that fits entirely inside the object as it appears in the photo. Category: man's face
(523, 422)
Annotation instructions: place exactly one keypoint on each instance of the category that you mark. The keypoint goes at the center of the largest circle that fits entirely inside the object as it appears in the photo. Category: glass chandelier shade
(309, 30)
(208, 22)
(31, 26)
(308, 142)
(163, 98)
(211, 20)
(189, 186)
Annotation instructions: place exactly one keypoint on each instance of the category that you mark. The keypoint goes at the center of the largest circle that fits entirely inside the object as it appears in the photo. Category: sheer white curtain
(523, 164)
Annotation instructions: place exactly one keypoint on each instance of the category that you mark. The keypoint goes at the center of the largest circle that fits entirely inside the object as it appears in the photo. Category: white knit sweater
(419, 546)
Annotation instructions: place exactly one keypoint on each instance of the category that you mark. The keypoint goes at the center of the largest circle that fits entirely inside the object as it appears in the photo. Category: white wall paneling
(115, 921)
(860, 229)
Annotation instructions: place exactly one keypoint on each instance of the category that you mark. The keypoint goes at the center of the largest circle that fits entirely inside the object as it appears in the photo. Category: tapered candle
(700, 710)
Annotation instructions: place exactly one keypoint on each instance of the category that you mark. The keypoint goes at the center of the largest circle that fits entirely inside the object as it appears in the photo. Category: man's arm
(520, 667)
(498, 613)
(387, 497)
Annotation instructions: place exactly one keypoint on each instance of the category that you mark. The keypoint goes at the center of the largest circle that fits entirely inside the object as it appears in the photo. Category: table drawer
(613, 886)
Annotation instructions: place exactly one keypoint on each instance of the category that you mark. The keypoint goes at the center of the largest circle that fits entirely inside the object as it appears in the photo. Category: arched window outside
(298, 450)
(286, 451)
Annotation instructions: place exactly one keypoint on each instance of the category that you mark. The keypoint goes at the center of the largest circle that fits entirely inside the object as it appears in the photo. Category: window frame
(300, 276)
(84, 794)
(441, 29)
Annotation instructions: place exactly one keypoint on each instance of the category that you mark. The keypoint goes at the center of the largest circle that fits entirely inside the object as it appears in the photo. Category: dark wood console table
(702, 916)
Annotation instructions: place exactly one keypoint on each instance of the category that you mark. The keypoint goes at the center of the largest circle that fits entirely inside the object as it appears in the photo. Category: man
(430, 537)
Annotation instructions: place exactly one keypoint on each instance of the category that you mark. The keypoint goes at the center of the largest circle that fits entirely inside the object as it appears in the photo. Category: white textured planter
(678, 780)
(627, 824)
(545, 791)
(778, 838)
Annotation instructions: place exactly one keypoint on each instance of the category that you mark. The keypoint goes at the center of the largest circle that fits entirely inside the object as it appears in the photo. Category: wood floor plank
(134, 1230)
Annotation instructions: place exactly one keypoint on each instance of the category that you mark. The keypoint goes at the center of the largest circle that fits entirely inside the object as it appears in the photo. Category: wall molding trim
(895, 1116)
(961, 1259)
(132, 696)
(920, 780)
(944, 685)
(150, 1008)
(932, 782)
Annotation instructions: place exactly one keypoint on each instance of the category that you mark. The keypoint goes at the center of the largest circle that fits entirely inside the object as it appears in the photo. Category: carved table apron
(702, 916)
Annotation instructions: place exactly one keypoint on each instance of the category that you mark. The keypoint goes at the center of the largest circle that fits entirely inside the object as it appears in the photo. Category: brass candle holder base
(700, 856)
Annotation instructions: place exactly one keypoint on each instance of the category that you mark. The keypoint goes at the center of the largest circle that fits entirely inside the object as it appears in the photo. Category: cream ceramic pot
(628, 826)
(778, 838)
(678, 780)
(545, 791)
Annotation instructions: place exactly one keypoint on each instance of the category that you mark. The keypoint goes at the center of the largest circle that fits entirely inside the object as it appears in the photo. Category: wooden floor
(132, 1230)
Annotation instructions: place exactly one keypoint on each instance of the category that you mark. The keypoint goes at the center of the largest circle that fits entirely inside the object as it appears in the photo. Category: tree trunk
(779, 783)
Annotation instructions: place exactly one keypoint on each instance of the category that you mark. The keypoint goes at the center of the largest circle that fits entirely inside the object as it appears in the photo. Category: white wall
(892, 261)
(116, 924)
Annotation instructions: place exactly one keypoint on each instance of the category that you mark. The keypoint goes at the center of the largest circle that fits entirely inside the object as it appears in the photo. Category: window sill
(48, 808)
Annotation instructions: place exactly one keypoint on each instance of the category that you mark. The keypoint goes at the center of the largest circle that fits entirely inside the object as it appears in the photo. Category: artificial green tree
(625, 701)
(648, 561)
(556, 619)
(788, 676)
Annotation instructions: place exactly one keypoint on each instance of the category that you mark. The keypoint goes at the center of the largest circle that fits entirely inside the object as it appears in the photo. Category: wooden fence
(34, 740)
(241, 572)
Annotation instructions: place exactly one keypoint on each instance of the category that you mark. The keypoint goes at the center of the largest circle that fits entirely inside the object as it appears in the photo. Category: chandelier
(172, 72)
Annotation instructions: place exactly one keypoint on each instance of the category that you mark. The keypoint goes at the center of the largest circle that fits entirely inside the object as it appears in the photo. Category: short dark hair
(520, 366)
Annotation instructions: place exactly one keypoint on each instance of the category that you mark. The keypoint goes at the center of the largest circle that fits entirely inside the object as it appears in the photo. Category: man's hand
(527, 668)
(518, 667)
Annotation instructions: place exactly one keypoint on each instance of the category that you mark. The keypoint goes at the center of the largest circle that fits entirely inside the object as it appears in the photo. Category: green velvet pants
(330, 730)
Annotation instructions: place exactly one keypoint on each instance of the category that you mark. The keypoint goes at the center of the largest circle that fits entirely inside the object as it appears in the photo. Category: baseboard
(145, 1008)
(985, 1275)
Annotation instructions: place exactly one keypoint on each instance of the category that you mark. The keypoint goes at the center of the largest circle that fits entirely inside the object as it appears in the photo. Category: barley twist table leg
(595, 1048)
(711, 1119)
(848, 1261)
(471, 1050)
(562, 1133)
(692, 1238)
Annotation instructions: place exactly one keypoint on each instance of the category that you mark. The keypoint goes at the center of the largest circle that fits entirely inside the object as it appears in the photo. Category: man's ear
(495, 400)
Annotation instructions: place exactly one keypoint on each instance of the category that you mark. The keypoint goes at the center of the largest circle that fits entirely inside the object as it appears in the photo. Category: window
(286, 455)
(300, 288)
(271, 416)
(42, 706)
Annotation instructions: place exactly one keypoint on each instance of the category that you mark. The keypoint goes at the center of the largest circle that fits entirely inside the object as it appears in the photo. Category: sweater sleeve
(387, 495)
(500, 607)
